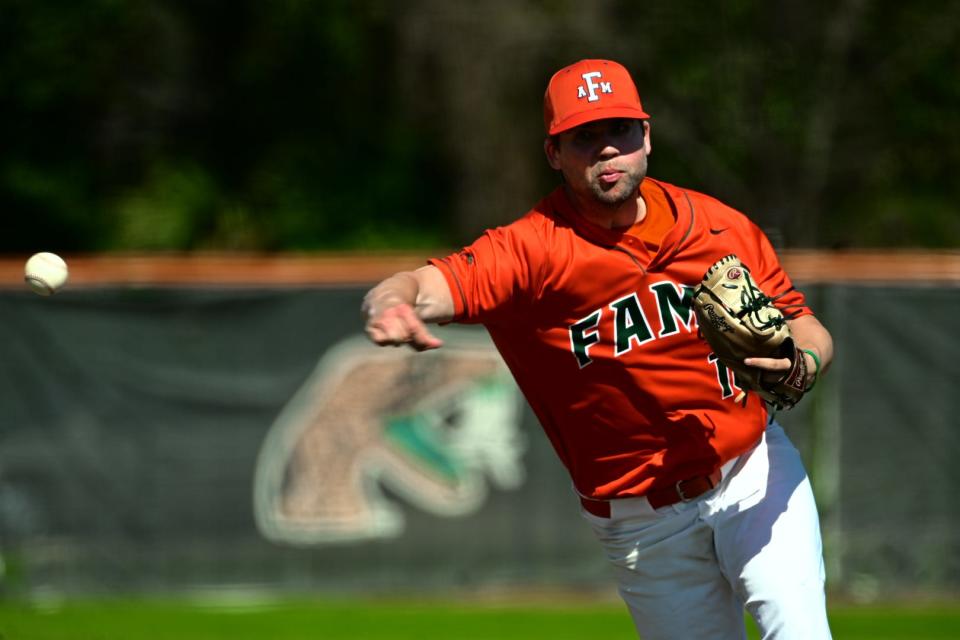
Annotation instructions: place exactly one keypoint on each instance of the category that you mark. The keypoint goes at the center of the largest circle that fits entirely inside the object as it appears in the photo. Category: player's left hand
(775, 368)
(768, 364)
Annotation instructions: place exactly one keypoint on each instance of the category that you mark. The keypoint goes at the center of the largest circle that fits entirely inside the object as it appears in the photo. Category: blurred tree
(62, 91)
(174, 125)
(179, 126)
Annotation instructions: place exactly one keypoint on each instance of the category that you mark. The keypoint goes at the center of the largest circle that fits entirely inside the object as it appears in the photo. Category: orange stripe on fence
(873, 267)
(226, 269)
(858, 267)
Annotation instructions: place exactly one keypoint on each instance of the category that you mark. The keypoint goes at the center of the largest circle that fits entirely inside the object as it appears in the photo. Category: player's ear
(551, 148)
(646, 136)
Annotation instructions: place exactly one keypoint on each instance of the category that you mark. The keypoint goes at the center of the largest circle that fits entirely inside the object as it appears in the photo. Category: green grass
(355, 620)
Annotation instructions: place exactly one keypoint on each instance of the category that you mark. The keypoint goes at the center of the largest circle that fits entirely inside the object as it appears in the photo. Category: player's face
(605, 160)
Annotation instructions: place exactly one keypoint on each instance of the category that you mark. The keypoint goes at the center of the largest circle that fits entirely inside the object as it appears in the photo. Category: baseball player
(695, 493)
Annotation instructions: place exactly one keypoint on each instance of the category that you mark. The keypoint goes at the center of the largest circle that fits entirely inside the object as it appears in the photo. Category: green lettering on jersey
(583, 335)
(726, 377)
(630, 325)
(673, 306)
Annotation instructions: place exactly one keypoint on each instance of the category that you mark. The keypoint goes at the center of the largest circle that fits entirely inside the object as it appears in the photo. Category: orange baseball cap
(589, 90)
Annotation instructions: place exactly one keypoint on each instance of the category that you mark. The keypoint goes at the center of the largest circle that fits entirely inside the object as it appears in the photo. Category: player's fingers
(388, 331)
(374, 333)
(401, 325)
(397, 331)
(418, 335)
(378, 335)
(769, 364)
(424, 340)
(396, 326)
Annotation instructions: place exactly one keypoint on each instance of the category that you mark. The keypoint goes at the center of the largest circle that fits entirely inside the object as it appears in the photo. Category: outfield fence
(175, 423)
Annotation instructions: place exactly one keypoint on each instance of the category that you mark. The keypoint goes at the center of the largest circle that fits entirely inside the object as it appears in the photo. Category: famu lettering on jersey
(628, 324)
(624, 324)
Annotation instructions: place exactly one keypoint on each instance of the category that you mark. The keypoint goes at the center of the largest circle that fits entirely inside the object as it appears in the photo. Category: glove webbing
(753, 300)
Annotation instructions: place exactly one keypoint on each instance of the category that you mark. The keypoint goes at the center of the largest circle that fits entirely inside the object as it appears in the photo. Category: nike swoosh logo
(717, 232)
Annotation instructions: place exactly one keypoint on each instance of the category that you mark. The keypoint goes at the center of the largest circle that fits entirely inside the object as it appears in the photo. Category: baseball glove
(739, 321)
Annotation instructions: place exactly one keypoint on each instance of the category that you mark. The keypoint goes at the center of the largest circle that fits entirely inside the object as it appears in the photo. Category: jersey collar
(679, 233)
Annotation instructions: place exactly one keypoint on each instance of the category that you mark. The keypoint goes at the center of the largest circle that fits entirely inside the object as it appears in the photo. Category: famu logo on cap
(590, 90)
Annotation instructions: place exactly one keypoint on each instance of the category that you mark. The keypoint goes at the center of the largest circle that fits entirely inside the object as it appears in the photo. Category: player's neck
(623, 215)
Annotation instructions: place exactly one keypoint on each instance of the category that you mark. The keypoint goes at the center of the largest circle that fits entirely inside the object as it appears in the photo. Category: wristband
(816, 371)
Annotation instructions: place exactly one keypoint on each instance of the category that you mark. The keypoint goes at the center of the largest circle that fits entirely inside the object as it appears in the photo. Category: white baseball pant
(688, 570)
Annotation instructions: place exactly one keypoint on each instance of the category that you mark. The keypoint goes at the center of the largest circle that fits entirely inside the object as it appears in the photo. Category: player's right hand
(399, 325)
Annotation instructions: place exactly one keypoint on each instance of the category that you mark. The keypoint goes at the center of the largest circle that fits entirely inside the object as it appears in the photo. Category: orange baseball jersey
(601, 337)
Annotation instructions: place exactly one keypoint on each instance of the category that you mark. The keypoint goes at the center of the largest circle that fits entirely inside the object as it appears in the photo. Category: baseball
(45, 273)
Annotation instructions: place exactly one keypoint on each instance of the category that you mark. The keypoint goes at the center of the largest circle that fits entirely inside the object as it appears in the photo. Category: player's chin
(611, 194)
(615, 193)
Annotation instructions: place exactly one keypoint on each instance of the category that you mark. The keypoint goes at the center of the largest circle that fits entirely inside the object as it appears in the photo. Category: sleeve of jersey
(494, 277)
(773, 280)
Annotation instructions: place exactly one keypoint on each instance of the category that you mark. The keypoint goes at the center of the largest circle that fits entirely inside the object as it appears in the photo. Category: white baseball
(45, 273)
